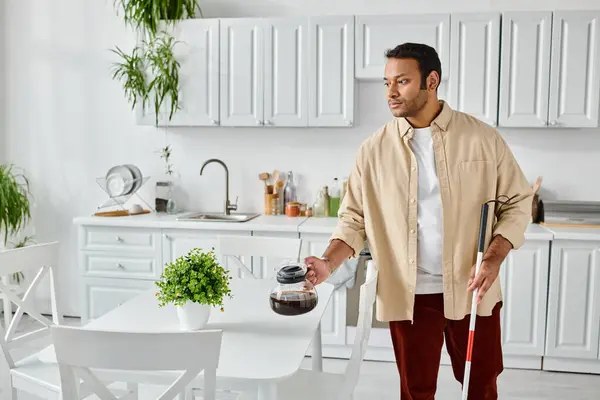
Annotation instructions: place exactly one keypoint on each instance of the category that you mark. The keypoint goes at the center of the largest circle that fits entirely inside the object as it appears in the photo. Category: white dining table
(258, 346)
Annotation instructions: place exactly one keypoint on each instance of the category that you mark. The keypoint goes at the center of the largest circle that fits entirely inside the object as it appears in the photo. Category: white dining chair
(88, 359)
(309, 384)
(245, 249)
(29, 374)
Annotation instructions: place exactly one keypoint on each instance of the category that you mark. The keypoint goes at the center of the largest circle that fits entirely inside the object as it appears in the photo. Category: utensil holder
(270, 201)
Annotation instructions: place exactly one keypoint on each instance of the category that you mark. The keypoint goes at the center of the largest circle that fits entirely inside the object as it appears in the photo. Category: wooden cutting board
(118, 213)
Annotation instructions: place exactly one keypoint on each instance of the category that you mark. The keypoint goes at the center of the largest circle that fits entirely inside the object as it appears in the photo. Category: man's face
(403, 82)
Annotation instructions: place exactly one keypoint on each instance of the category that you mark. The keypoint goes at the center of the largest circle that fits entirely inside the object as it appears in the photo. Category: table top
(257, 343)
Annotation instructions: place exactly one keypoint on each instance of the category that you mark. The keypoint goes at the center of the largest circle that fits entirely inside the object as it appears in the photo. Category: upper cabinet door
(285, 72)
(524, 69)
(331, 71)
(242, 57)
(474, 59)
(198, 55)
(575, 71)
(376, 34)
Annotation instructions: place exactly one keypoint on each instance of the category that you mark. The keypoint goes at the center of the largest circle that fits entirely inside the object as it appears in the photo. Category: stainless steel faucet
(228, 206)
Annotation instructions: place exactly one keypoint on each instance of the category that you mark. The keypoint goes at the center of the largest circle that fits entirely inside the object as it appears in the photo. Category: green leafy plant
(147, 15)
(166, 155)
(130, 71)
(14, 201)
(14, 207)
(197, 277)
(165, 74)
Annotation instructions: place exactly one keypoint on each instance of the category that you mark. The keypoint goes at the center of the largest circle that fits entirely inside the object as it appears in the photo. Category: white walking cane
(472, 318)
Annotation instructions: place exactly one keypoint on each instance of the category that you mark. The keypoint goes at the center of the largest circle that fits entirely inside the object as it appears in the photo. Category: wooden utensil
(264, 176)
(537, 185)
(279, 186)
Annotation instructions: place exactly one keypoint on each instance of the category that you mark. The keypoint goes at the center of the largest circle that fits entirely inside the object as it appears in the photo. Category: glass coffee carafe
(294, 294)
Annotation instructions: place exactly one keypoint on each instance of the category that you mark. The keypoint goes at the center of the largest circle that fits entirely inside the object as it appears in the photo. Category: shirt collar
(442, 120)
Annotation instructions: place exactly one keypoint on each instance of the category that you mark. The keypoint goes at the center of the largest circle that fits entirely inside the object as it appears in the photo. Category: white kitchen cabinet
(100, 295)
(198, 55)
(550, 69)
(524, 282)
(574, 300)
(264, 72)
(333, 324)
(285, 72)
(474, 58)
(575, 69)
(331, 71)
(178, 242)
(242, 61)
(377, 33)
(525, 69)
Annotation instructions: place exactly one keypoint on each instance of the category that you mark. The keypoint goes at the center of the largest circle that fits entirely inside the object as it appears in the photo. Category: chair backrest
(78, 350)
(245, 249)
(39, 258)
(368, 294)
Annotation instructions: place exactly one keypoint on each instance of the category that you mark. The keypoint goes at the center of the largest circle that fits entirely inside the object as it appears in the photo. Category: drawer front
(125, 266)
(111, 238)
(102, 295)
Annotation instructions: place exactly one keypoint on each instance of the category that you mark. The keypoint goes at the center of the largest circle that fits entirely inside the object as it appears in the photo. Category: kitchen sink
(217, 217)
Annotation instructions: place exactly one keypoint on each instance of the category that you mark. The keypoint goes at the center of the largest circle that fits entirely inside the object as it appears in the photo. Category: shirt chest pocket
(477, 181)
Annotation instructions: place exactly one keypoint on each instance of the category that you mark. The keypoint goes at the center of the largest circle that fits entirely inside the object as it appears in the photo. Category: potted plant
(194, 284)
(14, 207)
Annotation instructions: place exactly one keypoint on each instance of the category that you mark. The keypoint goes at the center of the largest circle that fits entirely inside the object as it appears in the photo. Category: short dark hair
(425, 55)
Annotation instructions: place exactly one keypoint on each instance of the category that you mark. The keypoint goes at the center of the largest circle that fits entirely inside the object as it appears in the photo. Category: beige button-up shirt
(474, 165)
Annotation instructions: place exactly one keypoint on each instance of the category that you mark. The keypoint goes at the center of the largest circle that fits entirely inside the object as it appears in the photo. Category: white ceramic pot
(193, 316)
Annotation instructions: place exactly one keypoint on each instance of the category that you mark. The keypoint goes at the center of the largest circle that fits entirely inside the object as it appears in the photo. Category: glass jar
(294, 294)
(292, 209)
(164, 193)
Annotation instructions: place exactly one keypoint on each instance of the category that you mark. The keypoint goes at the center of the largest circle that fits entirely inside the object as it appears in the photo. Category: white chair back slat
(368, 294)
(79, 351)
(42, 259)
(249, 247)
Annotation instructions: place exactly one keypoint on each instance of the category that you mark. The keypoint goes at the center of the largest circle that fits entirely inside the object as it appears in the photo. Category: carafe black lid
(291, 274)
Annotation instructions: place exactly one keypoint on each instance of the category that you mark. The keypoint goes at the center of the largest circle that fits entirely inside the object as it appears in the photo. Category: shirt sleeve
(514, 217)
(351, 221)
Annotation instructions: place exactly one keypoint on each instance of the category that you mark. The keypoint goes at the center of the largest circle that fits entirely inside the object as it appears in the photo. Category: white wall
(2, 78)
(68, 122)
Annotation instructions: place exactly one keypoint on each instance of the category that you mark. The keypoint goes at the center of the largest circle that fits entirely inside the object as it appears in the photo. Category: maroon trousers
(418, 347)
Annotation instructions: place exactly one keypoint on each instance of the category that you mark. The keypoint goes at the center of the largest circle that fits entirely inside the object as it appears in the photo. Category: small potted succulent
(194, 283)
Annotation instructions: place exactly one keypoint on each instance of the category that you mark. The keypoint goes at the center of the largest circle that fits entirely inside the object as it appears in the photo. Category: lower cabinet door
(101, 295)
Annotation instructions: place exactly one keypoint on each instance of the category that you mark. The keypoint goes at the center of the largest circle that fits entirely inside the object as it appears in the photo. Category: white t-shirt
(429, 216)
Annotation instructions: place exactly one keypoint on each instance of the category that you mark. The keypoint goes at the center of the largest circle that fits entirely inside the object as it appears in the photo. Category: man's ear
(433, 81)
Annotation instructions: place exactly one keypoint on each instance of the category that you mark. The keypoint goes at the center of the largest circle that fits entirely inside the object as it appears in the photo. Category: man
(415, 194)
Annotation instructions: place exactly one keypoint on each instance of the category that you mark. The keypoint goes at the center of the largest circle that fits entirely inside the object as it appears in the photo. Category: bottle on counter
(326, 201)
(289, 192)
(334, 198)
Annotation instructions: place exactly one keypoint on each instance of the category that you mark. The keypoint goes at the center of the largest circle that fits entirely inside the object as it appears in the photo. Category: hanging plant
(165, 74)
(130, 71)
(147, 15)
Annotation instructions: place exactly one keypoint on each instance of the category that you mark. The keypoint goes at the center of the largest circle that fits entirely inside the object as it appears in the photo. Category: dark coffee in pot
(293, 302)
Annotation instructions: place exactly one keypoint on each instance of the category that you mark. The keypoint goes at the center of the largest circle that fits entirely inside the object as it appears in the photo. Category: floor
(380, 381)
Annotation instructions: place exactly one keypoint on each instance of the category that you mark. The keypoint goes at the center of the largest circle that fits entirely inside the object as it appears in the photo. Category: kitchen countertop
(574, 233)
(281, 223)
(164, 221)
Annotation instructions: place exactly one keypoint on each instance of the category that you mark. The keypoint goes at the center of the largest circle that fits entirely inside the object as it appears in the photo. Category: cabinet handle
(119, 239)
(267, 122)
(258, 122)
(166, 236)
(213, 122)
(349, 123)
(553, 123)
(120, 266)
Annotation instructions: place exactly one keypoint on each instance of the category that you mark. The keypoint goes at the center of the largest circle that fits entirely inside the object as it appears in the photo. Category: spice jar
(292, 209)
